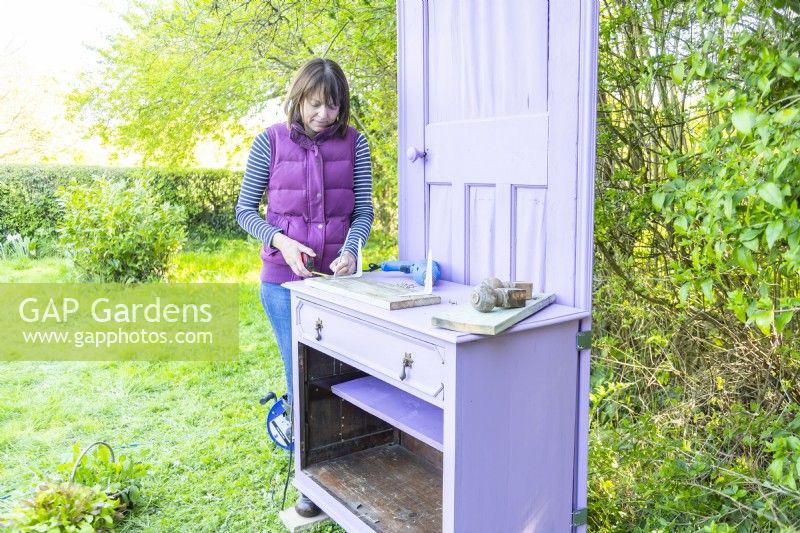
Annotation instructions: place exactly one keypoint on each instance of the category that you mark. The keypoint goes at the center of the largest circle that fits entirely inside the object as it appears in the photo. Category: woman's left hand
(344, 265)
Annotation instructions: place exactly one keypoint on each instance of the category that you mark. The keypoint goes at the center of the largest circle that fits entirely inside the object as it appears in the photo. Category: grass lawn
(199, 425)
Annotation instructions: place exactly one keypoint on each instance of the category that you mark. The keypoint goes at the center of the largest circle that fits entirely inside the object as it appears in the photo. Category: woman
(317, 174)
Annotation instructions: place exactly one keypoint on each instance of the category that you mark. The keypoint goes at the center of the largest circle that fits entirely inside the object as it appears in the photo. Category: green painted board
(382, 294)
(465, 318)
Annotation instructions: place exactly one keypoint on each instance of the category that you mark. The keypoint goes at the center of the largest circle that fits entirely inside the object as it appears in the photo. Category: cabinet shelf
(408, 413)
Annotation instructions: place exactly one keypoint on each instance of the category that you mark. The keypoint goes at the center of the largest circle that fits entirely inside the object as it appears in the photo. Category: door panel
(439, 227)
(505, 150)
(486, 131)
(481, 241)
(474, 56)
(528, 234)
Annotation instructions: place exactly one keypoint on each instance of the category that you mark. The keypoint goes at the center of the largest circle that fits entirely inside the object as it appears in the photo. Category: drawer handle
(408, 362)
(318, 327)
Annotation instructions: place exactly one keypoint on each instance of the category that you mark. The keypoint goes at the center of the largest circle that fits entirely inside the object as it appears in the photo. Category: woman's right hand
(291, 250)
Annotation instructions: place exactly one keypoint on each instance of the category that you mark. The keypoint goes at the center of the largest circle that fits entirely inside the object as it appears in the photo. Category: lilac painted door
(496, 142)
(489, 92)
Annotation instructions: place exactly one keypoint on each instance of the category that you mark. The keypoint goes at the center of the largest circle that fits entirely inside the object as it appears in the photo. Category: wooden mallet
(492, 292)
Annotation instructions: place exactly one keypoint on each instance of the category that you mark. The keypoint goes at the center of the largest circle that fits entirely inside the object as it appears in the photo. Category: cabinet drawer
(411, 364)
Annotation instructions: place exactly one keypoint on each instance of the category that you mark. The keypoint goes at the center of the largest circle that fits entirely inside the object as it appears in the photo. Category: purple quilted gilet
(310, 195)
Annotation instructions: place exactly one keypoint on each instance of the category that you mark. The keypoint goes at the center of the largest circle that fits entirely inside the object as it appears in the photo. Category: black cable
(291, 451)
(263, 401)
(289, 469)
(288, 475)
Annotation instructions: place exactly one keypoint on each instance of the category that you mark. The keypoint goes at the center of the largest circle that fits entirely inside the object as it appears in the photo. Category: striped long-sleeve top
(256, 181)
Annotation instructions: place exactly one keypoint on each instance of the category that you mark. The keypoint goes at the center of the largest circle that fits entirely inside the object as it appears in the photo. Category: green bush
(28, 204)
(208, 196)
(119, 477)
(113, 231)
(65, 508)
(103, 490)
(16, 246)
(696, 374)
(734, 470)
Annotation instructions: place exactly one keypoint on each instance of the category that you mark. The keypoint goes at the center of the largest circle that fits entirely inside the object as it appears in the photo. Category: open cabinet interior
(372, 446)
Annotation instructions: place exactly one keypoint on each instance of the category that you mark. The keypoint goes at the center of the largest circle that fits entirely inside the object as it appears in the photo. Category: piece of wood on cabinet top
(465, 318)
(386, 295)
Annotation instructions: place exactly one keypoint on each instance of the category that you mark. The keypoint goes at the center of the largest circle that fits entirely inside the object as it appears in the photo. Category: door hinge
(580, 517)
(584, 340)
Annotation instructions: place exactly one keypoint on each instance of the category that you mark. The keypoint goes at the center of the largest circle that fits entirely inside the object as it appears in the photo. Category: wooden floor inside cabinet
(386, 477)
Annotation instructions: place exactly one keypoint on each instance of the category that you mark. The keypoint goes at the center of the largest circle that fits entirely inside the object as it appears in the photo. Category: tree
(193, 71)
(22, 132)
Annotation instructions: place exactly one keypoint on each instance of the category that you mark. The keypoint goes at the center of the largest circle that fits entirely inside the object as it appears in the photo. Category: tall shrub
(118, 232)
(696, 374)
(697, 219)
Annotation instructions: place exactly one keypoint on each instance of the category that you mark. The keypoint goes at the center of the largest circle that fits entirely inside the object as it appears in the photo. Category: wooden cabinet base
(389, 487)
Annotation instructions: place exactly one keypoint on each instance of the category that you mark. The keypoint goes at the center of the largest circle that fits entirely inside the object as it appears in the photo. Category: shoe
(305, 507)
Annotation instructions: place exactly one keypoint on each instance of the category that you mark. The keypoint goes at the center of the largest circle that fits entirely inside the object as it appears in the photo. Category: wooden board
(385, 295)
(388, 487)
(465, 318)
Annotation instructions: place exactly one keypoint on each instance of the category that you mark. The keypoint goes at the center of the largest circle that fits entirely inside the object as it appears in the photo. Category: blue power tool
(415, 268)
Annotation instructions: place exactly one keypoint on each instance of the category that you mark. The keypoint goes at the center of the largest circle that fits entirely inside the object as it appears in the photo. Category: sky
(44, 46)
(50, 36)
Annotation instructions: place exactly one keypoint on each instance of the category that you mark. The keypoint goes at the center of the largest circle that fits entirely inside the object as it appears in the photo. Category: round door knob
(413, 154)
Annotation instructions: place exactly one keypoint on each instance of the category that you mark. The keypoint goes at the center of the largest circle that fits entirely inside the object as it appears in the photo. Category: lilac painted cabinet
(402, 426)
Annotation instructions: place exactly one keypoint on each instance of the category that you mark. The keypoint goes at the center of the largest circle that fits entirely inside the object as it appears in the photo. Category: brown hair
(327, 77)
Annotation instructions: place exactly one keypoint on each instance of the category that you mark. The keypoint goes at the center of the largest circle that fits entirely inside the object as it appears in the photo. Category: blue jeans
(276, 301)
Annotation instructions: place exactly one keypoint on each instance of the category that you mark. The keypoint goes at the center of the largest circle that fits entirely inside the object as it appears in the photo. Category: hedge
(28, 204)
